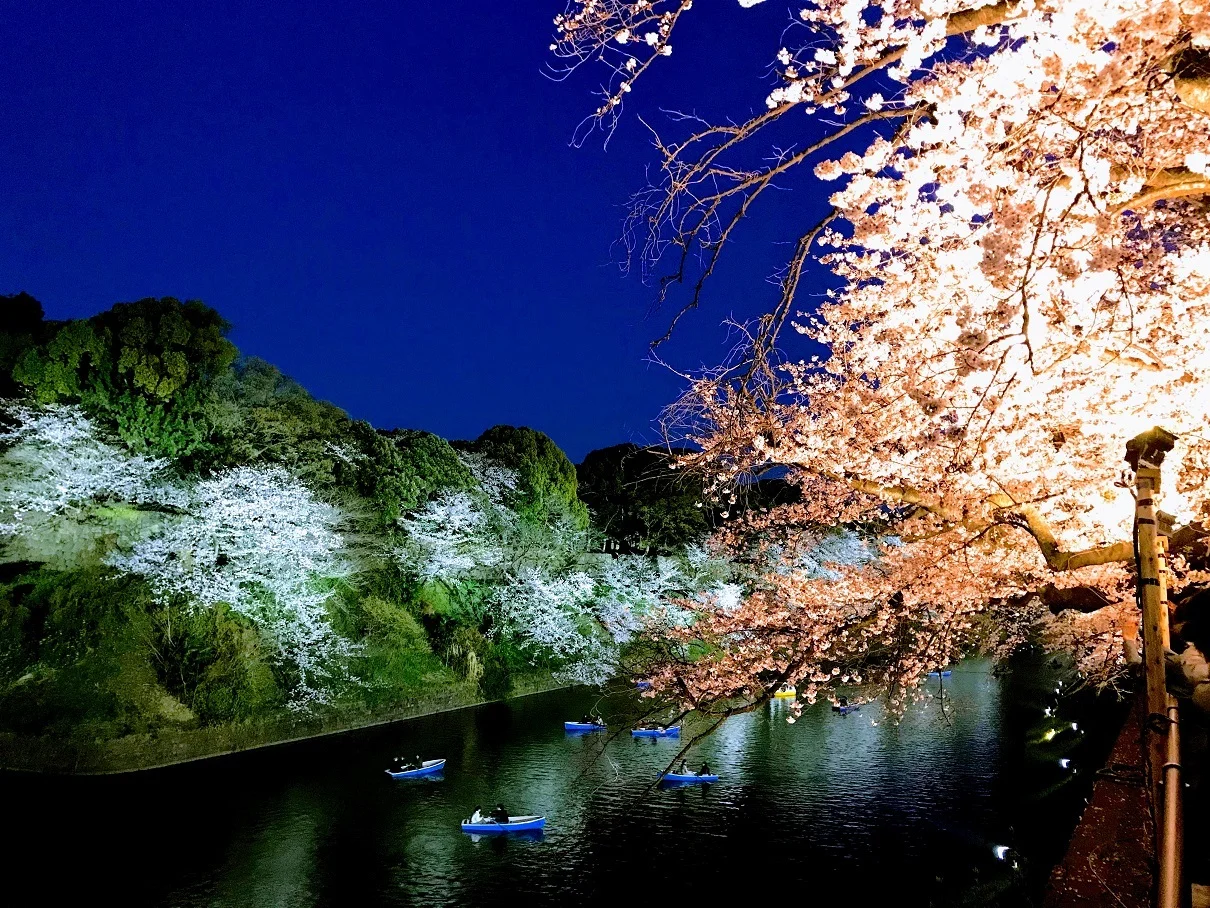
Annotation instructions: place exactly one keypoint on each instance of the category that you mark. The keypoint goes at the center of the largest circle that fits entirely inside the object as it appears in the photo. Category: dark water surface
(848, 811)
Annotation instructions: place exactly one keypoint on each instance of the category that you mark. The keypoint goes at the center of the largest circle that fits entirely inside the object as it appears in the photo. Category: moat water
(969, 800)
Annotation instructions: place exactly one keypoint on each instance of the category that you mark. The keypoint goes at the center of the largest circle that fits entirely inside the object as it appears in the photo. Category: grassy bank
(165, 747)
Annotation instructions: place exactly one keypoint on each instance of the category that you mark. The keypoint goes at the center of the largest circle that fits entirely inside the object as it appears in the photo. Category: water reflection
(962, 802)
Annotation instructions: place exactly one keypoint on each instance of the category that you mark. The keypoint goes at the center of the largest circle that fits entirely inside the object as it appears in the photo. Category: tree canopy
(144, 365)
(1017, 230)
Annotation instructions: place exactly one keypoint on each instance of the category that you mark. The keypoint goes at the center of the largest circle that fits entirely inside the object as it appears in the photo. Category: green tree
(260, 414)
(548, 481)
(144, 367)
(640, 502)
(401, 469)
(21, 326)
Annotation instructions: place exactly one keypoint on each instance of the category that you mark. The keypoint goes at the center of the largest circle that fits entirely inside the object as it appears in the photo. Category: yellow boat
(786, 693)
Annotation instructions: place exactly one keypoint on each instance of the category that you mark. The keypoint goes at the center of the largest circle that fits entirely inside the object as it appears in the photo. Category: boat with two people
(844, 707)
(785, 692)
(683, 776)
(652, 730)
(500, 822)
(414, 768)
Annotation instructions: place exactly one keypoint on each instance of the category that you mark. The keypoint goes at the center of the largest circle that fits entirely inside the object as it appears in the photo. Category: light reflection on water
(908, 812)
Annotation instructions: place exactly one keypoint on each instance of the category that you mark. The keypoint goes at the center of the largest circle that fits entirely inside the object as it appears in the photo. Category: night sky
(380, 196)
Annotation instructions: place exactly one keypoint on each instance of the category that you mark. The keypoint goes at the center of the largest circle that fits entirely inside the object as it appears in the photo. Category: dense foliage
(640, 501)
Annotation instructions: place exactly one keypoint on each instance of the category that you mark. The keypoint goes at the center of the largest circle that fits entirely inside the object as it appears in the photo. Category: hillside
(189, 540)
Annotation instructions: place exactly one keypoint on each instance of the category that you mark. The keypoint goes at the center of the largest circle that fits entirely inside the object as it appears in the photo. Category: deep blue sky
(380, 196)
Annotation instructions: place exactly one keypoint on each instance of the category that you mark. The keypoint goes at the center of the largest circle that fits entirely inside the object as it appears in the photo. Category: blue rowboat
(676, 778)
(427, 768)
(845, 710)
(673, 732)
(642, 685)
(583, 726)
(944, 674)
(514, 824)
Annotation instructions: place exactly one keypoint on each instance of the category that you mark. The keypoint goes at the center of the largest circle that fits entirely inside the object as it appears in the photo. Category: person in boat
(417, 763)
(397, 764)
(477, 816)
(683, 770)
(705, 770)
(588, 720)
(500, 815)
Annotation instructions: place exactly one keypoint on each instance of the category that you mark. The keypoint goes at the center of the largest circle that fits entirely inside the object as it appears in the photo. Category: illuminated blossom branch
(1018, 224)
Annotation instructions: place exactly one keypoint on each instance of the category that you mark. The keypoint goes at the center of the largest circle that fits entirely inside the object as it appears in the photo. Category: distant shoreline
(136, 753)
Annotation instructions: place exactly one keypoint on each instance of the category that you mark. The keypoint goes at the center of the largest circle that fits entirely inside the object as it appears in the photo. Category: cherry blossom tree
(1020, 255)
(450, 538)
(548, 595)
(256, 538)
(57, 463)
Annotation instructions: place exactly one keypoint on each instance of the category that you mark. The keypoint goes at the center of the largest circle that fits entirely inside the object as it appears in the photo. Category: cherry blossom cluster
(548, 594)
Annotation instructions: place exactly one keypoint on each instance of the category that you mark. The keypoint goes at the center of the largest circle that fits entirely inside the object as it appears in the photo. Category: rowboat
(583, 726)
(676, 778)
(845, 710)
(943, 674)
(427, 768)
(642, 685)
(673, 732)
(786, 693)
(514, 824)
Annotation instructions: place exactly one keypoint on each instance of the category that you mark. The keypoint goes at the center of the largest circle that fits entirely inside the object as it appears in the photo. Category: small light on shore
(1065, 762)
(1000, 851)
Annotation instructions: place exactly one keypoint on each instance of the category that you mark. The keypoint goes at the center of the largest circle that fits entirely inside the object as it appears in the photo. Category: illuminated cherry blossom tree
(1018, 233)
(548, 595)
(256, 538)
(57, 464)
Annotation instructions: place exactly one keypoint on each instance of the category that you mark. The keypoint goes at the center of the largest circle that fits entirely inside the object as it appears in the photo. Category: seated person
(684, 768)
(477, 816)
(705, 770)
(500, 815)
